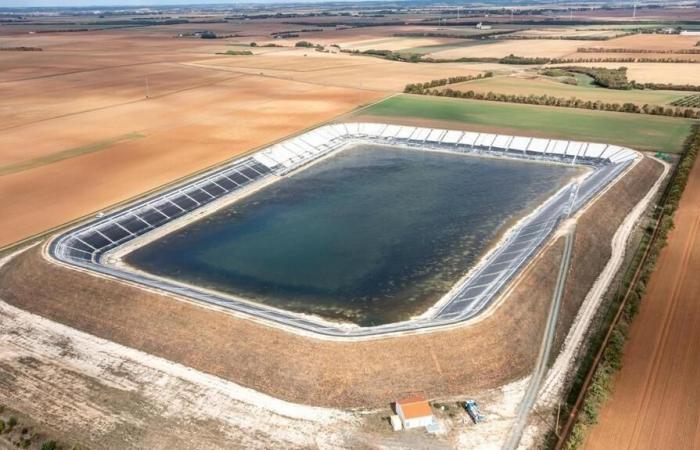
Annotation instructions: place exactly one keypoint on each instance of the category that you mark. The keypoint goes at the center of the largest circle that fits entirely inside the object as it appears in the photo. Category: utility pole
(634, 10)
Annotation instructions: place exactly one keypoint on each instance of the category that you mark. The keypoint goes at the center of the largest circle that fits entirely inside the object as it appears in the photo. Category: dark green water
(371, 235)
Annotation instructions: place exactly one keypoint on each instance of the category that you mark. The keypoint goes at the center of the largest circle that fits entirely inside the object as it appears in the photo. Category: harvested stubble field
(647, 42)
(676, 73)
(312, 371)
(498, 49)
(359, 72)
(641, 132)
(528, 84)
(200, 110)
(655, 399)
(99, 118)
(563, 48)
(180, 133)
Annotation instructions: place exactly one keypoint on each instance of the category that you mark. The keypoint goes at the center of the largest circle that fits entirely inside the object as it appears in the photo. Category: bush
(305, 44)
(236, 53)
(2, 426)
(12, 421)
(49, 445)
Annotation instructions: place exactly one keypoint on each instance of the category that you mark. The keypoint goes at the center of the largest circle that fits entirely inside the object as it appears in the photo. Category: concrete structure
(89, 245)
(396, 423)
(414, 412)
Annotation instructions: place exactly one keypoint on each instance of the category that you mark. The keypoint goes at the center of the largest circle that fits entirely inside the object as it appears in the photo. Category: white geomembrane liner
(88, 245)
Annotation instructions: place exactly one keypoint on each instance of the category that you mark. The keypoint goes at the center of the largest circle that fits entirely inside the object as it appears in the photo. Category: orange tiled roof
(415, 406)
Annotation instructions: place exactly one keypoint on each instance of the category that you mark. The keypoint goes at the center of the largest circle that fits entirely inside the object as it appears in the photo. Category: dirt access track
(656, 397)
(500, 348)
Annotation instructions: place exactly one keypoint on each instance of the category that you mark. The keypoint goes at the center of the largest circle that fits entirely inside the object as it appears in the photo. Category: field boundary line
(564, 435)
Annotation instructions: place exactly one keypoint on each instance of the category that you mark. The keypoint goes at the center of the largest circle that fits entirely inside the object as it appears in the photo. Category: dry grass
(591, 250)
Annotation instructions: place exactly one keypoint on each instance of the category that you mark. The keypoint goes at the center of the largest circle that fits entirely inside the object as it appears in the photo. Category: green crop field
(638, 131)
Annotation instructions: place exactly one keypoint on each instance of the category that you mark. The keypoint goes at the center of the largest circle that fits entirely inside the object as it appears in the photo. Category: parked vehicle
(472, 408)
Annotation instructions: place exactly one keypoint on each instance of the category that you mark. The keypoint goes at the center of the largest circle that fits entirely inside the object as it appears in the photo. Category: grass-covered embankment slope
(632, 130)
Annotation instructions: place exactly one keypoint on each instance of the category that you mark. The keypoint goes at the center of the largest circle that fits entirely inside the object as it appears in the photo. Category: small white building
(414, 412)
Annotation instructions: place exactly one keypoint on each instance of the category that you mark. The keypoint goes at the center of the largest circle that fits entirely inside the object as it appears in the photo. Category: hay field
(641, 132)
(537, 85)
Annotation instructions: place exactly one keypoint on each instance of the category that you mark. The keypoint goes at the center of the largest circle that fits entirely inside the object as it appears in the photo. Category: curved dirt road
(656, 402)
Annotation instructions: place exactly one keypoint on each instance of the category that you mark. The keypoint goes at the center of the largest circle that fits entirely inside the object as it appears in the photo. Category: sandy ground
(656, 396)
(99, 394)
(107, 396)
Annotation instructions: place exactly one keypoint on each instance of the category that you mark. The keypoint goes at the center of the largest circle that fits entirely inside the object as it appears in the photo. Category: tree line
(548, 100)
(682, 51)
(603, 378)
(510, 59)
(617, 79)
(421, 88)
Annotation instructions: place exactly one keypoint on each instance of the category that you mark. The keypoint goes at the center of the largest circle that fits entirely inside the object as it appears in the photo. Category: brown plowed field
(656, 402)
(78, 134)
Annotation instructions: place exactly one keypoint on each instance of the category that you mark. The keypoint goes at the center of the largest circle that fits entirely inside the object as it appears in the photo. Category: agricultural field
(689, 101)
(675, 73)
(101, 109)
(656, 388)
(641, 132)
(557, 48)
(533, 84)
